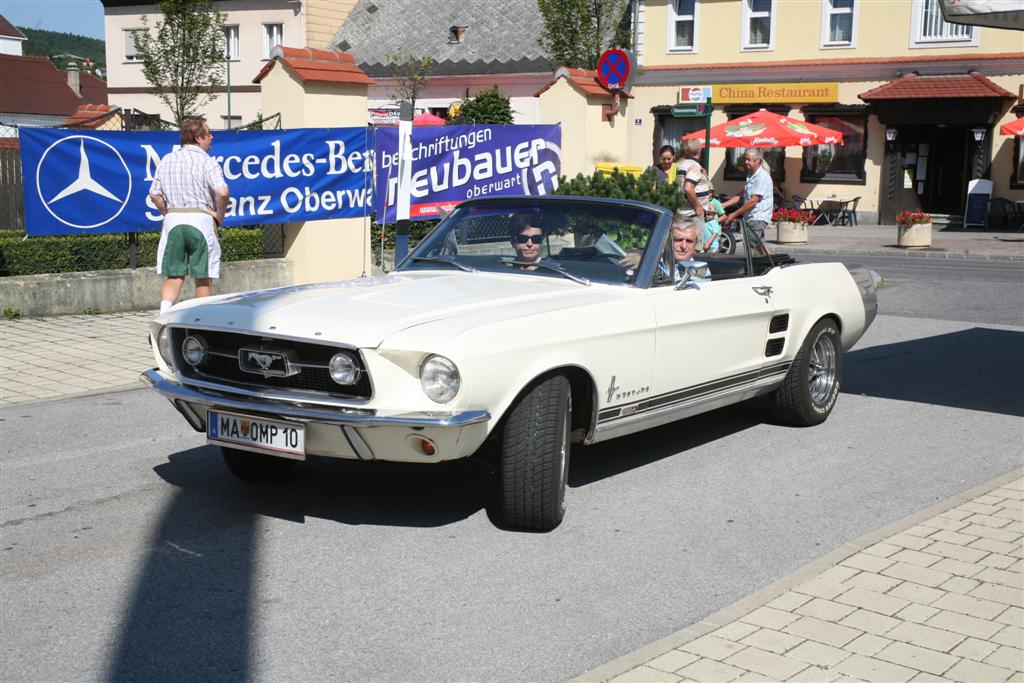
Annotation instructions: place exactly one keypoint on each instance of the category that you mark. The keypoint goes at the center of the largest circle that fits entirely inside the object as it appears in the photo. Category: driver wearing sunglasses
(526, 238)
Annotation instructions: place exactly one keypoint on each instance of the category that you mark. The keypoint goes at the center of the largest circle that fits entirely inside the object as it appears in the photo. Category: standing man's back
(189, 190)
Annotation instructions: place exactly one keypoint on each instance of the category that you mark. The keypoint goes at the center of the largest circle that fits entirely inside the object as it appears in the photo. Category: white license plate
(256, 433)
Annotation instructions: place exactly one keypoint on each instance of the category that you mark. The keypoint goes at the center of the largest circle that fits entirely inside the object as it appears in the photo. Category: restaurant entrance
(938, 159)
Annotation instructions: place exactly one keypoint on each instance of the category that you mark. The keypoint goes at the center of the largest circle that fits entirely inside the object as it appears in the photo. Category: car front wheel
(256, 466)
(811, 387)
(535, 456)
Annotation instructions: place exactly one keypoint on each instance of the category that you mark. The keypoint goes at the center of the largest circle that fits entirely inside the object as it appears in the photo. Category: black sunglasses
(523, 239)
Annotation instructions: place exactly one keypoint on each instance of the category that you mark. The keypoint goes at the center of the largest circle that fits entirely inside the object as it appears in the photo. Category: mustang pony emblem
(266, 362)
(263, 360)
(612, 388)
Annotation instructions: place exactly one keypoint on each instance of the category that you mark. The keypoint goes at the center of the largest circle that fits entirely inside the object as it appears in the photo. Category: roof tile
(317, 66)
(924, 59)
(583, 80)
(33, 85)
(90, 115)
(913, 86)
(9, 30)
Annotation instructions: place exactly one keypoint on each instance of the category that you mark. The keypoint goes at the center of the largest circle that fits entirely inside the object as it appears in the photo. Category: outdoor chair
(848, 215)
(802, 203)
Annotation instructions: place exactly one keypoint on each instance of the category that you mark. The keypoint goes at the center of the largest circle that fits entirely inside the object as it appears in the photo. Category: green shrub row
(72, 253)
(623, 186)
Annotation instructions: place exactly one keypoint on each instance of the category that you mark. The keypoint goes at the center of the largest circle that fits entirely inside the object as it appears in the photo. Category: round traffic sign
(616, 68)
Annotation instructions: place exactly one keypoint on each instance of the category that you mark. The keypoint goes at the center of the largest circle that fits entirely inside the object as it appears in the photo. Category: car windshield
(584, 241)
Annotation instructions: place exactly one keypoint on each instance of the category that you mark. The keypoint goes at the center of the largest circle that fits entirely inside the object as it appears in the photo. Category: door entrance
(937, 159)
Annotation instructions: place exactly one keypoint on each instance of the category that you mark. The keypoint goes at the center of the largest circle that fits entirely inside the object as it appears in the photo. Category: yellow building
(919, 100)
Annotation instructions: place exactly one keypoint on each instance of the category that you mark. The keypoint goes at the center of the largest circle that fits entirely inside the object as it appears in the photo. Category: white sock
(165, 306)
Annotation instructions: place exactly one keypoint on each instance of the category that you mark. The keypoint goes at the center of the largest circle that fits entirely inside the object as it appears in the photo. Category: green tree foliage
(183, 55)
(410, 74)
(490, 106)
(576, 32)
(42, 43)
(623, 186)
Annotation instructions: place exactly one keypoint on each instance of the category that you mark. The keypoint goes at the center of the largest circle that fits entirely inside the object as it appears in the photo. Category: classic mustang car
(528, 323)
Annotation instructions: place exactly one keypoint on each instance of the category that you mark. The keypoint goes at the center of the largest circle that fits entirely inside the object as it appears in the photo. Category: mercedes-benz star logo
(95, 198)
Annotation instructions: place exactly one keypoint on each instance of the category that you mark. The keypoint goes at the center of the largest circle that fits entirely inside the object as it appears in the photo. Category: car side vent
(774, 347)
(779, 323)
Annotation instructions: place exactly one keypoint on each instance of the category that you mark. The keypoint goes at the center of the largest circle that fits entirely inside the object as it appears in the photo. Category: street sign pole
(404, 181)
(706, 153)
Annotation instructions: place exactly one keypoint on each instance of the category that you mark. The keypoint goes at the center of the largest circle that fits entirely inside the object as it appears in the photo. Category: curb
(932, 254)
(760, 597)
(117, 388)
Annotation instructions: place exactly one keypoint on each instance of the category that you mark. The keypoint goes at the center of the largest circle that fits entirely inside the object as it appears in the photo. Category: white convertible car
(534, 323)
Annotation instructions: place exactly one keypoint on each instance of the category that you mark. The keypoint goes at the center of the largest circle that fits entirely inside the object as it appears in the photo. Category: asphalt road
(127, 552)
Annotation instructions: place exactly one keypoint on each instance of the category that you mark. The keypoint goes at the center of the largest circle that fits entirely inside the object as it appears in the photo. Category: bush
(624, 186)
(73, 253)
(417, 231)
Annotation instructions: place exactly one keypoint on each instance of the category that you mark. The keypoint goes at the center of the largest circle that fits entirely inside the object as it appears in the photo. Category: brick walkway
(68, 355)
(937, 597)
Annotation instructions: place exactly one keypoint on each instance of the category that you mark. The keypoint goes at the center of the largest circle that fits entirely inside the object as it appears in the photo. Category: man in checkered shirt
(189, 190)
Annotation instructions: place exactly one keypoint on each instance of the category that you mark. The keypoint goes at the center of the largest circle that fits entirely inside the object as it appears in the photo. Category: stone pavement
(935, 597)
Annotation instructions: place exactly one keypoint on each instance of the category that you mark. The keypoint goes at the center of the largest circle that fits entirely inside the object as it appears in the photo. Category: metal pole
(228, 60)
(706, 154)
(404, 181)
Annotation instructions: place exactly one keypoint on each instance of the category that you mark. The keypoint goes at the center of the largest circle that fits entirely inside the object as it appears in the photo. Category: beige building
(920, 101)
(253, 29)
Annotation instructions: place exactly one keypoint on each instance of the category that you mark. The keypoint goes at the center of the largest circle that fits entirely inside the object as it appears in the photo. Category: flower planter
(791, 233)
(917, 235)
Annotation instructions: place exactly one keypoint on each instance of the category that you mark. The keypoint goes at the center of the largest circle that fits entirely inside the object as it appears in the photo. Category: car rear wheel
(256, 466)
(811, 387)
(535, 456)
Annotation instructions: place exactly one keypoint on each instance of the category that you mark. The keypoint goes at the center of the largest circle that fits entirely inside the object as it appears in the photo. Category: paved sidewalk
(881, 240)
(935, 597)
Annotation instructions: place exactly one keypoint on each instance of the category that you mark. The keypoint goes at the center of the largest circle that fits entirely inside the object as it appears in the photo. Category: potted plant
(791, 225)
(914, 229)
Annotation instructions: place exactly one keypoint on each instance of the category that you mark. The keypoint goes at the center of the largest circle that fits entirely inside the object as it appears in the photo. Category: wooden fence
(12, 201)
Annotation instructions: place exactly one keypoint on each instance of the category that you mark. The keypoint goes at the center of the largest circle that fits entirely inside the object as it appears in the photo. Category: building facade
(252, 29)
(919, 100)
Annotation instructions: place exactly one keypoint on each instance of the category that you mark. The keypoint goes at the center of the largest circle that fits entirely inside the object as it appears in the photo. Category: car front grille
(222, 363)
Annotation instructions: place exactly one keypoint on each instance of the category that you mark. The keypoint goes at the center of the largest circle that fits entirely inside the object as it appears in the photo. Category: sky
(81, 17)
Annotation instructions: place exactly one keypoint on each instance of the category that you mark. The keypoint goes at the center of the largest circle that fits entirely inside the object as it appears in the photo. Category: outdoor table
(830, 210)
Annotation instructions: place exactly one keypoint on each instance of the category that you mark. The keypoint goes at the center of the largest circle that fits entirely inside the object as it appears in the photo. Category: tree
(577, 31)
(489, 106)
(410, 74)
(183, 56)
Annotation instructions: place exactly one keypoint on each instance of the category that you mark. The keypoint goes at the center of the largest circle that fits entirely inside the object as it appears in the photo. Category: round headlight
(194, 350)
(440, 379)
(343, 369)
(163, 345)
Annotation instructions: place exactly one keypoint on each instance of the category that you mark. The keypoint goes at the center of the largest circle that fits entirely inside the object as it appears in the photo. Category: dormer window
(455, 34)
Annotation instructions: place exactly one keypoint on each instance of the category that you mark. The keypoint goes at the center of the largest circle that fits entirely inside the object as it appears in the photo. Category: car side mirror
(689, 274)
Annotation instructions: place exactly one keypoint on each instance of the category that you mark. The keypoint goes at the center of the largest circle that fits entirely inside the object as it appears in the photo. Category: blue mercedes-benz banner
(78, 182)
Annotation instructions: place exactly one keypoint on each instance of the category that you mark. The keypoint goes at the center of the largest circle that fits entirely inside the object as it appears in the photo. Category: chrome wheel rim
(822, 370)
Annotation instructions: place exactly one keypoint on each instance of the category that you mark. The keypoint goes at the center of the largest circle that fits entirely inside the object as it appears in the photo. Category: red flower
(912, 218)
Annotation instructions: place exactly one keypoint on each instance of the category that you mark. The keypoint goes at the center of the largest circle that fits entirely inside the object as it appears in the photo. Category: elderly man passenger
(756, 198)
(684, 248)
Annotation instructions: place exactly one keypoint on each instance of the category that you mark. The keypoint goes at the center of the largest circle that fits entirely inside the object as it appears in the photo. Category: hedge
(72, 253)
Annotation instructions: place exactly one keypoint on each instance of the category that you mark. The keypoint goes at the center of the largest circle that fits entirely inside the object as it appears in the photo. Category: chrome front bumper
(181, 396)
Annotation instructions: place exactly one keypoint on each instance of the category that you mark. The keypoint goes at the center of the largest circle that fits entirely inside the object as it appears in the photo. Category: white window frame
(917, 40)
(267, 47)
(129, 46)
(827, 10)
(229, 30)
(670, 36)
(745, 45)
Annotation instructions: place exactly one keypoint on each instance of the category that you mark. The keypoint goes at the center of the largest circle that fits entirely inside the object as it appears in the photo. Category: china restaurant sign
(741, 93)
(80, 182)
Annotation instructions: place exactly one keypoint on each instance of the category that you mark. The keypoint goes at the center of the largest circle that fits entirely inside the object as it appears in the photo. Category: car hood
(365, 311)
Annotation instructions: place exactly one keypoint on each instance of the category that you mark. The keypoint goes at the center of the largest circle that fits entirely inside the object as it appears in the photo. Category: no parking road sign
(616, 69)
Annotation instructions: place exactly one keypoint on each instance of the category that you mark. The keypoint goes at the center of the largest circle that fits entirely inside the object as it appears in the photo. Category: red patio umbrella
(1013, 127)
(765, 129)
(427, 119)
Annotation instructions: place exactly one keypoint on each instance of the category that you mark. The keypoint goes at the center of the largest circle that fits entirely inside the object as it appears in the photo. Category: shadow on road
(975, 369)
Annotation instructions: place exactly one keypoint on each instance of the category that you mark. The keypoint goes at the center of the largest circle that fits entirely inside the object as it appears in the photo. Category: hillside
(45, 43)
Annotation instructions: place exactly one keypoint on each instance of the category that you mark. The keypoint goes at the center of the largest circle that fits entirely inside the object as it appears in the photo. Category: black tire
(535, 456)
(256, 466)
(726, 243)
(811, 387)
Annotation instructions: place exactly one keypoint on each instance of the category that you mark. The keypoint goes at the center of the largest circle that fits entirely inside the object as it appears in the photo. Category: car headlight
(343, 369)
(440, 379)
(163, 345)
(194, 350)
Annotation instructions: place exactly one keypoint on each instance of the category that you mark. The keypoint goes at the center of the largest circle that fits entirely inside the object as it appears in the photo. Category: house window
(838, 23)
(758, 24)
(928, 27)
(670, 128)
(130, 54)
(231, 42)
(682, 25)
(837, 163)
(774, 157)
(272, 37)
(230, 123)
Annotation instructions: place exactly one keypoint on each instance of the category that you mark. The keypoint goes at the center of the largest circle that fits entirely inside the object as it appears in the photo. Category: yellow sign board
(775, 92)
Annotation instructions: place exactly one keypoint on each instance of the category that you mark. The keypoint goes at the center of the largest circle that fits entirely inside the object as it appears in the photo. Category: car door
(711, 336)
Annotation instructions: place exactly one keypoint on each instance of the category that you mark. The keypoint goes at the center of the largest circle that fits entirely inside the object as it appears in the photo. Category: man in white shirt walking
(757, 196)
(189, 190)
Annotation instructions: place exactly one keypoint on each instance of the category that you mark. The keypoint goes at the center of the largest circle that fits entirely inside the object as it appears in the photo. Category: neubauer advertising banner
(454, 163)
(79, 182)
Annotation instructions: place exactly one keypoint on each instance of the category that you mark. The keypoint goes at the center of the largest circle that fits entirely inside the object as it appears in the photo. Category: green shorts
(188, 250)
